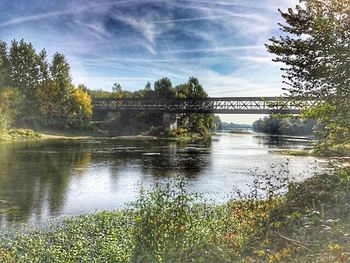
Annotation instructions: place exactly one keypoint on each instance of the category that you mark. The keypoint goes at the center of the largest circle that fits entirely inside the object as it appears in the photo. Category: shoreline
(46, 136)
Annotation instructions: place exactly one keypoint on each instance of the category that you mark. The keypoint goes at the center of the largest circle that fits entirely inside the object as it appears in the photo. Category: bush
(11, 103)
(4, 120)
(178, 133)
(81, 111)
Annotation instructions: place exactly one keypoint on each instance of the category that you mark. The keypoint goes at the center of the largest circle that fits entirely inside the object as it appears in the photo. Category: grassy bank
(342, 150)
(310, 223)
(18, 135)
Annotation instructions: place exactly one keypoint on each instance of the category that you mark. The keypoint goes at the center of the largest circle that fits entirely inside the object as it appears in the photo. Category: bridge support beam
(169, 121)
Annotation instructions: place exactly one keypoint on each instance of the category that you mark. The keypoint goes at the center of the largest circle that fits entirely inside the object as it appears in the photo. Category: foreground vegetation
(310, 223)
(340, 150)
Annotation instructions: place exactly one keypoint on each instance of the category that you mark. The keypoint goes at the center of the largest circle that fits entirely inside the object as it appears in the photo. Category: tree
(4, 120)
(198, 123)
(60, 72)
(25, 74)
(4, 66)
(117, 91)
(43, 66)
(315, 50)
(195, 89)
(163, 88)
(54, 110)
(25, 70)
(11, 103)
(81, 108)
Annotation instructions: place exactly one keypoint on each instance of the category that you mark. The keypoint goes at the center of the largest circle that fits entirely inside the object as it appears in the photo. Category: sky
(221, 42)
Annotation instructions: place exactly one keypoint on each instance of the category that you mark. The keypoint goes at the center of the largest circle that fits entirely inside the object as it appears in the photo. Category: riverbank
(19, 135)
(169, 224)
(342, 150)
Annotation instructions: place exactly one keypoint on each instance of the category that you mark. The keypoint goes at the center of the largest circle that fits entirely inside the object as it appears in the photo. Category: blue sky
(219, 41)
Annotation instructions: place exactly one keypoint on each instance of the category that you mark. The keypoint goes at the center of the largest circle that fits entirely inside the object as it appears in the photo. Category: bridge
(222, 105)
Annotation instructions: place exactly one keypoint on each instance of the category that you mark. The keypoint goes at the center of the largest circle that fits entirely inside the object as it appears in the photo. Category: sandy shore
(78, 137)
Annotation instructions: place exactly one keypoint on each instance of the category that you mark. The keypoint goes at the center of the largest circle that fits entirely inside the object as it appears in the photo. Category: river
(50, 178)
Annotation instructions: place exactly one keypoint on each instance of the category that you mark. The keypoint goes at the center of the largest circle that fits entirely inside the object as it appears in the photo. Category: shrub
(11, 103)
(81, 108)
(4, 120)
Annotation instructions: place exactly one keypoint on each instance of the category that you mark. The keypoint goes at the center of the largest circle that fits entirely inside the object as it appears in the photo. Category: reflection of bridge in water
(222, 105)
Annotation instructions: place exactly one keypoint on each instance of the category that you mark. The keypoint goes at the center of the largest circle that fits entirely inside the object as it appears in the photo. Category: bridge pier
(169, 121)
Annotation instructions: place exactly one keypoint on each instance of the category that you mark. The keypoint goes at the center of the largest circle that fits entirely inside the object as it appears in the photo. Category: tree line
(35, 92)
(288, 126)
(163, 88)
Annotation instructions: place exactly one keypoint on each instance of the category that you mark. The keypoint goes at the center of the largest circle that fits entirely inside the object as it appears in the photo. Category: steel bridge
(222, 105)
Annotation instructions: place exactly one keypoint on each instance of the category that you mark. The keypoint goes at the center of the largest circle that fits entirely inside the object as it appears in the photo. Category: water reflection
(34, 177)
(43, 180)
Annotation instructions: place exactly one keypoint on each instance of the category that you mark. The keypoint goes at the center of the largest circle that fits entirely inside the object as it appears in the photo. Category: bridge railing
(245, 105)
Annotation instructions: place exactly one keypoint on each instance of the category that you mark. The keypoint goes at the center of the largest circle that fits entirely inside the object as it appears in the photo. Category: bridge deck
(222, 105)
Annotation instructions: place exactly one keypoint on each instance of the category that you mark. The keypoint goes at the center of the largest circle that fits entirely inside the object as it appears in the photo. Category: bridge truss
(222, 105)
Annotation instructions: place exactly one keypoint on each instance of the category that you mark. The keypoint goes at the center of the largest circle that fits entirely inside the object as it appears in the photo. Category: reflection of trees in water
(177, 160)
(281, 141)
(35, 176)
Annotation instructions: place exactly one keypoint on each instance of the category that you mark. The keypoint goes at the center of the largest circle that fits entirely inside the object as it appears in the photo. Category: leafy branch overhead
(315, 51)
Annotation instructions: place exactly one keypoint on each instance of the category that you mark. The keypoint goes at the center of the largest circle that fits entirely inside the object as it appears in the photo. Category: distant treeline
(289, 126)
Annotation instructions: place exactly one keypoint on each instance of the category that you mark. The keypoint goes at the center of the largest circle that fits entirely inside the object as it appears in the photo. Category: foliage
(290, 126)
(25, 73)
(180, 133)
(41, 92)
(333, 120)
(11, 103)
(4, 121)
(163, 88)
(315, 50)
(18, 135)
(53, 108)
(169, 224)
(82, 107)
(197, 124)
(60, 72)
(4, 66)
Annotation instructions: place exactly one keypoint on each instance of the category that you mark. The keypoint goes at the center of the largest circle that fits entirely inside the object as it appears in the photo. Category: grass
(309, 223)
(18, 135)
(297, 152)
(341, 150)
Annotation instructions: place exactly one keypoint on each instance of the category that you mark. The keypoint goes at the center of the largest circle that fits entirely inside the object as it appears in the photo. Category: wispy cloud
(133, 41)
(23, 19)
(56, 13)
(215, 49)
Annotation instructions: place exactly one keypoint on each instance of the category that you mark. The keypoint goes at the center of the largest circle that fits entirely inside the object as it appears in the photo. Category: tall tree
(117, 91)
(163, 88)
(24, 68)
(4, 66)
(60, 72)
(44, 73)
(315, 48)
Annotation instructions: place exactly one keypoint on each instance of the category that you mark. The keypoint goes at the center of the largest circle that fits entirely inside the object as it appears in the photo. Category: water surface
(47, 179)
